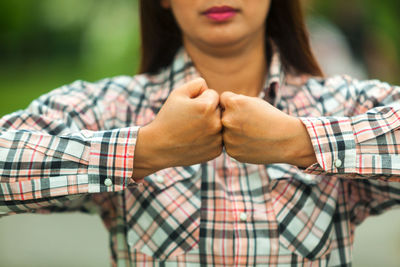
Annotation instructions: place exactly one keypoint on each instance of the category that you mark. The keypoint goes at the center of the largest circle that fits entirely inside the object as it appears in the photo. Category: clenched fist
(186, 131)
(256, 132)
(189, 129)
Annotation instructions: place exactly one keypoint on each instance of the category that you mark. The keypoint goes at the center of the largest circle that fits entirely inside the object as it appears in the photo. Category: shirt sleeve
(65, 146)
(362, 145)
(365, 141)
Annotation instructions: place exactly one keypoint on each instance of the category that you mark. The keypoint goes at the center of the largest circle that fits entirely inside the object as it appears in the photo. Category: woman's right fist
(186, 131)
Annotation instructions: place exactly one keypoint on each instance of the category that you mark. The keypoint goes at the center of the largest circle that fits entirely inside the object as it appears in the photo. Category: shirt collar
(274, 80)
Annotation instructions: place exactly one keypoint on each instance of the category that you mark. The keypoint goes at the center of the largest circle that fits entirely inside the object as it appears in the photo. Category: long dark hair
(285, 27)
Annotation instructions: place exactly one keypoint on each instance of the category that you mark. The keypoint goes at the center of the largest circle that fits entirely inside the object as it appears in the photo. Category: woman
(255, 171)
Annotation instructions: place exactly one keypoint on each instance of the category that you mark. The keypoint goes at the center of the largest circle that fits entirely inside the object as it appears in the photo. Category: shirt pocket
(304, 215)
(165, 219)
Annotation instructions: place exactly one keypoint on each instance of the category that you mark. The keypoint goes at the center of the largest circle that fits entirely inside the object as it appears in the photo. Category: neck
(241, 68)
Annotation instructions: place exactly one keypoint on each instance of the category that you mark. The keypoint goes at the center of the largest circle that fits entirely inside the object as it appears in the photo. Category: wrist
(300, 148)
(147, 154)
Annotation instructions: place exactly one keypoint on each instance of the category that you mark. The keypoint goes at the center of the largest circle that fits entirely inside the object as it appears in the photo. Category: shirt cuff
(334, 144)
(111, 158)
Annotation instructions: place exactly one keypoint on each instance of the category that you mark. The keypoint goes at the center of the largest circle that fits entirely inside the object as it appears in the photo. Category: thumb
(225, 99)
(209, 96)
(194, 88)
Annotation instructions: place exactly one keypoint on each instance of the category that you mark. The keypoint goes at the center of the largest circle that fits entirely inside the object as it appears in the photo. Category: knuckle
(217, 126)
(233, 153)
(202, 82)
(218, 150)
(196, 82)
(225, 134)
(214, 152)
(229, 98)
(213, 94)
(219, 140)
(223, 97)
(204, 107)
(215, 142)
(236, 100)
(226, 121)
(226, 140)
(226, 95)
(228, 150)
(218, 112)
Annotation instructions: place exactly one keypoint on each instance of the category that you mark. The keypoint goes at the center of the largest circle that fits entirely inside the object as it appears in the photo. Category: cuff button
(338, 163)
(160, 179)
(108, 182)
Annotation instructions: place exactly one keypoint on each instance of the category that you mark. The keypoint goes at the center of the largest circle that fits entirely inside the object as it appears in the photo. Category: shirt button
(108, 182)
(338, 163)
(160, 179)
(243, 216)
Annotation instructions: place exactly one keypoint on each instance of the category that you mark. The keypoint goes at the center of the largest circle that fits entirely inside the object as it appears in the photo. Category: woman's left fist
(256, 132)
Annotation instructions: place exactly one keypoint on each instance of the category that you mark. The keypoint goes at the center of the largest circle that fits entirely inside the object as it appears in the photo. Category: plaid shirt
(73, 150)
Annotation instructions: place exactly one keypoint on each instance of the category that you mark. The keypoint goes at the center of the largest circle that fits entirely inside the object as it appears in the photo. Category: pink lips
(220, 13)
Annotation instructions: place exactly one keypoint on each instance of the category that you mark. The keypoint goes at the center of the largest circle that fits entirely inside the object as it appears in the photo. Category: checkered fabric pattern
(73, 150)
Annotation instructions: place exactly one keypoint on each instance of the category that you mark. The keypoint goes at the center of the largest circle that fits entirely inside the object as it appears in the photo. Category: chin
(226, 46)
(222, 39)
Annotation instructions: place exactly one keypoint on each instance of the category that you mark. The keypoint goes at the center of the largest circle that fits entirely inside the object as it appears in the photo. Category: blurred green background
(48, 43)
